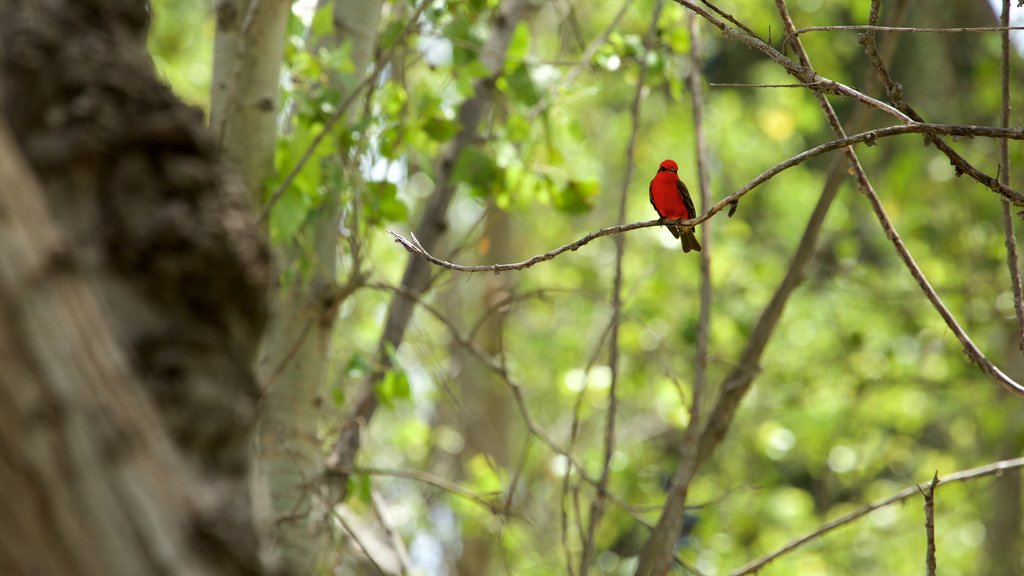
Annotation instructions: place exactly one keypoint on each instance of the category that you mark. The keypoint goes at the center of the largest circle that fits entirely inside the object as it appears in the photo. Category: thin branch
(895, 93)
(416, 276)
(870, 137)
(598, 503)
(654, 558)
(972, 351)
(821, 85)
(380, 510)
(1002, 28)
(743, 85)
(730, 18)
(704, 184)
(929, 523)
(635, 512)
(825, 86)
(995, 468)
(490, 502)
(359, 543)
(1012, 262)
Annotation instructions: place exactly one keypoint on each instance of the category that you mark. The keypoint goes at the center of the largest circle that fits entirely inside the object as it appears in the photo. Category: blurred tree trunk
(132, 284)
(293, 362)
(1004, 540)
(484, 421)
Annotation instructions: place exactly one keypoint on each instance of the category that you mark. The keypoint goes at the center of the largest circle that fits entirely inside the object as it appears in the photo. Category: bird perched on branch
(671, 200)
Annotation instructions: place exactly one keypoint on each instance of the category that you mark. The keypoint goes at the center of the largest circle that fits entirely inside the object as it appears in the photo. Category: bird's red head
(668, 166)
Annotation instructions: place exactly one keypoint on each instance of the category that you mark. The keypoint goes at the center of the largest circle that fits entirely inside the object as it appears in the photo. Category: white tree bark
(294, 360)
(247, 55)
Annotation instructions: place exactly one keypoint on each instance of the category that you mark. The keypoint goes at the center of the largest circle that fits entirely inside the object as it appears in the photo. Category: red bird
(671, 200)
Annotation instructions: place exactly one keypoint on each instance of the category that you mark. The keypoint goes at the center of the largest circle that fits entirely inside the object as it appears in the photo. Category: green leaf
(383, 204)
(394, 386)
(577, 196)
(287, 215)
(477, 170)
(323, 21)
(360, 486)
(358, 366)
(519, 45)
(440, 129)
(521, 87)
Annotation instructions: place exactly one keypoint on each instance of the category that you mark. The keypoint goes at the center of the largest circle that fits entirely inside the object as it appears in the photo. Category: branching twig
(823, 85)
(994, 468)
(635, 512)
(972, 351)
(1004, 176)
(895, 93)
(598, 503)
(870, 137)
(820, 84)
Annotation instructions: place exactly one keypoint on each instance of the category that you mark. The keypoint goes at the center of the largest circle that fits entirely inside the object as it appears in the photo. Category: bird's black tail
(689, 241)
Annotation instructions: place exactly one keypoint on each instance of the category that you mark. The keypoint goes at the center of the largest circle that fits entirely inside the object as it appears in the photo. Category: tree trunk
(132, 286)
(247, 55)
(293, 365)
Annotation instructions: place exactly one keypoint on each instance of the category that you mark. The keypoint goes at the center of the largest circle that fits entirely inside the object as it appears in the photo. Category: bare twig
(870, 137)
(1012, 262)
(704, 184)
(972, 351)
(654, 558)
(821, 85)
(743, 85)
(598, 503)
(359, 542)
(895, 93)
(929, 523)
(489, 501)
(635, 512)
(416, 277)
(1002, 28)
(994, 468)
(729, 17)
(380, 510)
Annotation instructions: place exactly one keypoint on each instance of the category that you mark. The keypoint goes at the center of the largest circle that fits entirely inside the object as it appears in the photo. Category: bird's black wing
(685, 194)
(650, 196)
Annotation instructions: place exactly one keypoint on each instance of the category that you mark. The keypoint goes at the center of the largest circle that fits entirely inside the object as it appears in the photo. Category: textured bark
(294, 360)
(131, 302)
